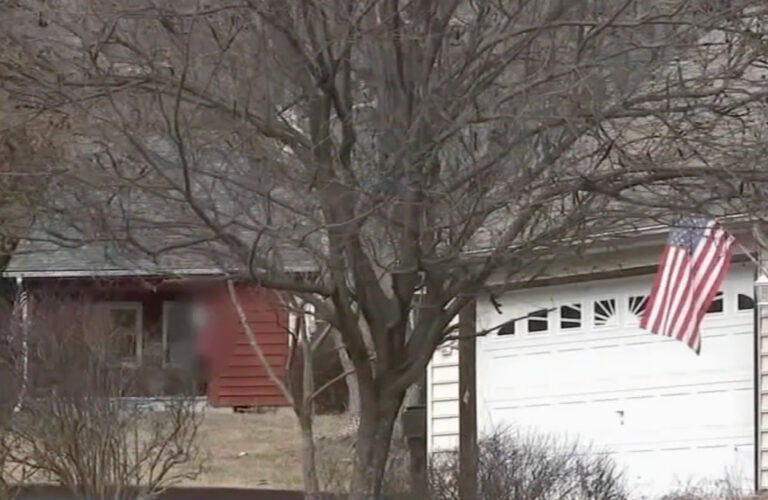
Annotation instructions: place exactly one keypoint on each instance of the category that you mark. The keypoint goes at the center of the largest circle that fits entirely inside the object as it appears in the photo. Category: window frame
(138, 308)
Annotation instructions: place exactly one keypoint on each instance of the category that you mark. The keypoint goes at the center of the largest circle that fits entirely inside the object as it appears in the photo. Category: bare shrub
(726, 488)
(336, 461)
(13, 475)
(532, 467)
(74, 426)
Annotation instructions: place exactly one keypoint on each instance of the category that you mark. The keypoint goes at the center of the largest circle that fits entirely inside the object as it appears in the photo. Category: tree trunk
(308, 462)
(374, 438)
(353, 403)
(306, 417)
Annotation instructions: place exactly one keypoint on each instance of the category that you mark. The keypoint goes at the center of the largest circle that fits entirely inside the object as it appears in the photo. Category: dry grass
(255, 449)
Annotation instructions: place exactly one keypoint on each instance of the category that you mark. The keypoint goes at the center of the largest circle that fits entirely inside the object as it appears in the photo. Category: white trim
(22, 295)
(90, 273)
(94, 273)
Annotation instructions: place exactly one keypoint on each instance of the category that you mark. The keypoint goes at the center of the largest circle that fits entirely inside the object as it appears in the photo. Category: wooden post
(468, 452)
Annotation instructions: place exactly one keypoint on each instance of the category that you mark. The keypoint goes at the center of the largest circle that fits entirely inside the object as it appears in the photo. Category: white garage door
(581, 367)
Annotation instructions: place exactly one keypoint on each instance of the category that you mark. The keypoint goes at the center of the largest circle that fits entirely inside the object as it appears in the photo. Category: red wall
(237, 377)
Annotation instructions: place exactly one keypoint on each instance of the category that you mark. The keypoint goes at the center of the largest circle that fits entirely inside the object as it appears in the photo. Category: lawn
(257, 449)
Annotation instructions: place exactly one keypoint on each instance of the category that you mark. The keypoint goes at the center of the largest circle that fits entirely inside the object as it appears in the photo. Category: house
(578, 367)
(165, 312)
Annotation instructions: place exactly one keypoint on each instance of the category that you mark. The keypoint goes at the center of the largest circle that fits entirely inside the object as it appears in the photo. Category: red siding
(237, 377)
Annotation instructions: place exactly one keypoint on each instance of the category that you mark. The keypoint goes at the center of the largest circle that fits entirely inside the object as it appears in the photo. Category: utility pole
(468, 451)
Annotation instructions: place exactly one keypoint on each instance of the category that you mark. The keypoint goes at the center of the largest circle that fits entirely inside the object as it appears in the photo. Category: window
(570, 316)
(179, 318)
(636, 304)
(745, 302)
(507, 328)
(717, 304)
(124, 331)
(538, 321)
(605, 312)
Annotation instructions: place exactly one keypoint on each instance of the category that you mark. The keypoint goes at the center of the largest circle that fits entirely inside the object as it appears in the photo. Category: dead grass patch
(256, 449)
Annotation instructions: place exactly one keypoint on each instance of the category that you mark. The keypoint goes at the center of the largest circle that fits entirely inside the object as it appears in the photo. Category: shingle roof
(102, 223)
(44, 255)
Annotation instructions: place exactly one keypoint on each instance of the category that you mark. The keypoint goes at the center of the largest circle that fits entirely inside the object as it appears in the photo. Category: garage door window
(538, 321)
(605, 313)
(570, 316)
(717, 304)
(637, 303)
(507, 328)
(745, 302)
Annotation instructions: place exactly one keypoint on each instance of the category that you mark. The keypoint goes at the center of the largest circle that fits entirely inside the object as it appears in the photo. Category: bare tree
(377, 157)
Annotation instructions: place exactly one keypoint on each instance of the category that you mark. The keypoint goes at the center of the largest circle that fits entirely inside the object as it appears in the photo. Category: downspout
(23, 303)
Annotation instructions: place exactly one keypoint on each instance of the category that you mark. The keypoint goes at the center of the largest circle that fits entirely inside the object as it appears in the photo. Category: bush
(336, 458)
(74, 426)
(726, 488)
(513, 466)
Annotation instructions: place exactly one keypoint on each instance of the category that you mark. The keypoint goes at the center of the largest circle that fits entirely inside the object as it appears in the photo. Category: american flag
(691, 270)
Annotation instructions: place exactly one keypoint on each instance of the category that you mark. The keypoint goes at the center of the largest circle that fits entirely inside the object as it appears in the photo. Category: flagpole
(751, 257)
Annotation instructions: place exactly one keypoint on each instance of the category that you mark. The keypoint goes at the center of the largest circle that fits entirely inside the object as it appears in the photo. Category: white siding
(443, 399)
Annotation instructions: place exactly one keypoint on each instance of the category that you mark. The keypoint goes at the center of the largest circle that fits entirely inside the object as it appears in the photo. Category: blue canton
(687, 234)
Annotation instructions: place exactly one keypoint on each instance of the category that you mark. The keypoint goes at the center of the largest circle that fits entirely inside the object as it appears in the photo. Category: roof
(42, 256)
(97, 223)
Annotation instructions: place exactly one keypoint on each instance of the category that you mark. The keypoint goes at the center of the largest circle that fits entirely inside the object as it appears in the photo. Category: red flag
(690, 273)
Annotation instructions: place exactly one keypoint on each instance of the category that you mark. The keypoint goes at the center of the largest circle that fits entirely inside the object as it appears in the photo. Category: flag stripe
(648, 315)
(703, 264)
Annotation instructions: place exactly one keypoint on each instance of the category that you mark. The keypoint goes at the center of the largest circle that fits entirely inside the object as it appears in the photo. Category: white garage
(579, 366)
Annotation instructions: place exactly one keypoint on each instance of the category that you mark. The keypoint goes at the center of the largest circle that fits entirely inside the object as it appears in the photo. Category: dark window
(507, 328)
(745, 302)
(605, 312)
(570, 316)
(717, 304)
(538, 321)
(637, 303)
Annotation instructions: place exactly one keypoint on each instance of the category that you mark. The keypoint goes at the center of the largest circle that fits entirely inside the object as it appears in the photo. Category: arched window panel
(507, 328)
(745, 302)
(636, 305)
(605, 313)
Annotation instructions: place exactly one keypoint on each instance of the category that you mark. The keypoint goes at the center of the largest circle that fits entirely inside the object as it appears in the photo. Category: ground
(257, 450)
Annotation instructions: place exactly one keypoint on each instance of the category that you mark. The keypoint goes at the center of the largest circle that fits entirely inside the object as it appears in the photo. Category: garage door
(580, 367)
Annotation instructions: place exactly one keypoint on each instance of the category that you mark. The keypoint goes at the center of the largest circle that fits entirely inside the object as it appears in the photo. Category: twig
(335, 379)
